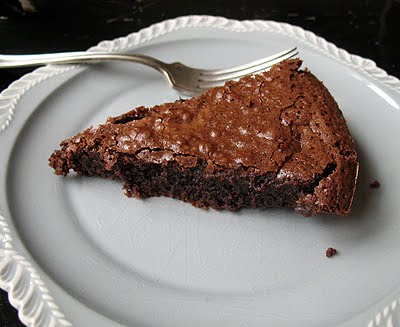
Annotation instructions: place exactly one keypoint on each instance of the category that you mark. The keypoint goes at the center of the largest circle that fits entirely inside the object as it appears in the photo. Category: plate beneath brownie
(76, 250)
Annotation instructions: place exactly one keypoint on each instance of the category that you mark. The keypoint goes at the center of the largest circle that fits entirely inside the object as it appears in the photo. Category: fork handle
(10, 61)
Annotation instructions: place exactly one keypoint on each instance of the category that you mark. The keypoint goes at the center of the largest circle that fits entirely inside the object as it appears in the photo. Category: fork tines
(209, 78)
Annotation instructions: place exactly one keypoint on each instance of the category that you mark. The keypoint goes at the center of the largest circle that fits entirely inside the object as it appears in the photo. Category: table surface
(369, 28)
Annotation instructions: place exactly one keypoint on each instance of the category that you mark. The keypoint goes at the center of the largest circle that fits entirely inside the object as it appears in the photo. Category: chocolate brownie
(276, 139)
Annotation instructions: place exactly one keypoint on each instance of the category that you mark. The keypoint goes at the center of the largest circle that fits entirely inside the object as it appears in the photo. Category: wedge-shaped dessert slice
(277, 139)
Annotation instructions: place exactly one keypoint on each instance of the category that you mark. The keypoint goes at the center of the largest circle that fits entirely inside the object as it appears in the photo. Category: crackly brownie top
(283, 121)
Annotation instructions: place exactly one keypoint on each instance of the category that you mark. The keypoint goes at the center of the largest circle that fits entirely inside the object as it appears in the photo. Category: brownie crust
(277, 139)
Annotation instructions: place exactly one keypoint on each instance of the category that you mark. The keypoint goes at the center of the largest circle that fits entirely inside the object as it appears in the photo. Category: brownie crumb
(375, 184)
(330, 252)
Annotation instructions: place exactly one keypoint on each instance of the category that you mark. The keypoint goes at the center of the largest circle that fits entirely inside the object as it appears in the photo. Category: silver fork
(185, 79)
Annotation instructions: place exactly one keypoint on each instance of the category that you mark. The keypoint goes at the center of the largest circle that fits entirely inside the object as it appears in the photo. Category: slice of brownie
(277, 139)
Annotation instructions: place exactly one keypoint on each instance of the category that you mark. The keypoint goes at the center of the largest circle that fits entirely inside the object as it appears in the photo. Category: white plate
(76, 250)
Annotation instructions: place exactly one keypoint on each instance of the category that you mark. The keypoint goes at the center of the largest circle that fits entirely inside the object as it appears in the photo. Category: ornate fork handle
(10, 61)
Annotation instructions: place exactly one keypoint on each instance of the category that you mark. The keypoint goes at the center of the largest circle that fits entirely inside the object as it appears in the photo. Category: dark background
(369, 28)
